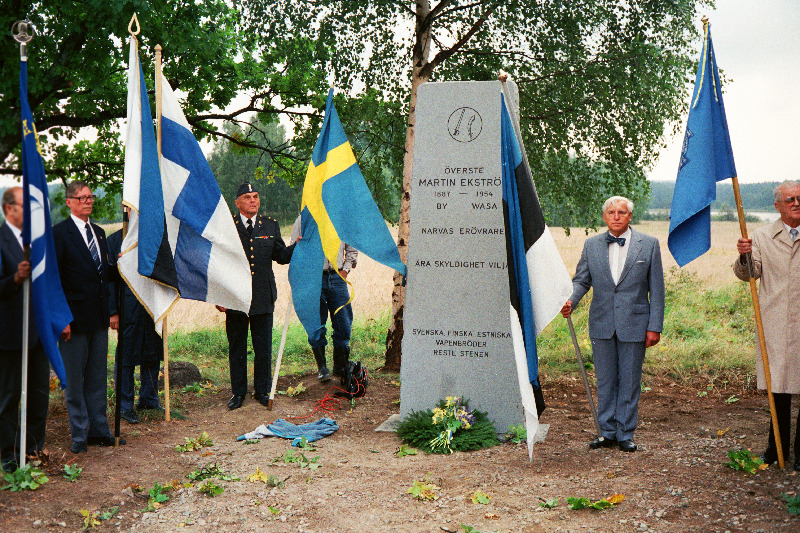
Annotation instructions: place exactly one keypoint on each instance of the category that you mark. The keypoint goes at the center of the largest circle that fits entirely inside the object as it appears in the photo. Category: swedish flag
(336, 206)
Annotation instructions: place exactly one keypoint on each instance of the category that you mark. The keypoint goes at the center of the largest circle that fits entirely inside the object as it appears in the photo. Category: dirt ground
(676, 482)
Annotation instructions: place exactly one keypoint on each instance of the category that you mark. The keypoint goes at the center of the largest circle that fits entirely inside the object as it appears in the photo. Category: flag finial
(20, 32)
(135, 19)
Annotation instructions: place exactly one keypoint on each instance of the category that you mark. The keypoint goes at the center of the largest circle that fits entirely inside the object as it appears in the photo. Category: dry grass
(373, 283)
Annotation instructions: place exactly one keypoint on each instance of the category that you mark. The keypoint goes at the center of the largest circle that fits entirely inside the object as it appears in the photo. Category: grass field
(707, 334)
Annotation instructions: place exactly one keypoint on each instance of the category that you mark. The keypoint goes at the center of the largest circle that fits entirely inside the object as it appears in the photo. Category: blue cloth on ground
(281, 428)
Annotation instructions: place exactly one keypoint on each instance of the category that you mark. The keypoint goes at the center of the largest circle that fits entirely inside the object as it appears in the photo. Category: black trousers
(38, 399)
(236, 325)
(783, 411)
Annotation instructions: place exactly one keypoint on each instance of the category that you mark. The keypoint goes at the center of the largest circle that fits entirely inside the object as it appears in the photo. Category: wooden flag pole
(164, 331)
(759, 325)
(280, 353)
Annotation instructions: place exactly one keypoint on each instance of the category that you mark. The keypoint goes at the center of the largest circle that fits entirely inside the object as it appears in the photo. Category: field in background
(373, 283)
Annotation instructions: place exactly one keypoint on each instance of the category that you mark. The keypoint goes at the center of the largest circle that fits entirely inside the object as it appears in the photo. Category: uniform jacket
(86, 290)
(631, 307)
(142, 343)
(11, 295)
(265, 246)
(776, 262)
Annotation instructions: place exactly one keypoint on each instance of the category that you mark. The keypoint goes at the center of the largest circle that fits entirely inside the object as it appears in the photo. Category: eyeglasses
(84, 199)
(791, 199)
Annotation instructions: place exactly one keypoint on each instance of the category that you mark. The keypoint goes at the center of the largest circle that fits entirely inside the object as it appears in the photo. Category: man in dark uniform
(143, 346)
(261, 239)
(13, 272)
(82, 257)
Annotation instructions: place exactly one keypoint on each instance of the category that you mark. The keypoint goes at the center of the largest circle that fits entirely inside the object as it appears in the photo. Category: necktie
(619, 240)
(793, 233)
(93, 249)
(250, 226)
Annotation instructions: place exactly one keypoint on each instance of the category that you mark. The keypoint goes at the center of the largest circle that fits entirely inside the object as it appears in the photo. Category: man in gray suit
(625, 318)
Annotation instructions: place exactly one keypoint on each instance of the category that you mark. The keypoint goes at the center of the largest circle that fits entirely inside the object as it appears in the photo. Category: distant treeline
(755, 196)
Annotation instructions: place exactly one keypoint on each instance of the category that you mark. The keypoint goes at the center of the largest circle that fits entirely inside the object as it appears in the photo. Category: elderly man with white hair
(776, 262)
(623, 266)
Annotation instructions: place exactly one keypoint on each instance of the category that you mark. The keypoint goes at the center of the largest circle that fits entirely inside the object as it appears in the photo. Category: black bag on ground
(354, 381)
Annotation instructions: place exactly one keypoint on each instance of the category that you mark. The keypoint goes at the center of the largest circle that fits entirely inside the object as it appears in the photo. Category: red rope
(331, 402)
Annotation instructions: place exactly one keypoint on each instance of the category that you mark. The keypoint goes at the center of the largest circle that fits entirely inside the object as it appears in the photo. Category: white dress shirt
(618, 254)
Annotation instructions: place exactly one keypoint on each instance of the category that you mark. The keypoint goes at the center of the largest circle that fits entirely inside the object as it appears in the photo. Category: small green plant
(109, 513)
(480, 498)
(517, 434)
(72, 472)
(732, 399)
(792, 503)
(194, 444)
(290, 457)
(251, 441)
(273, 510)
(157, 497)
(25, 478)
(294, 391)
(743, 461)
(90, 519)
(195, 388)
(469, 529)
(211, 489)
(404, 450)
(423, 489)
(549, 504)
(209, 471)
(577, 504)
(306, 446)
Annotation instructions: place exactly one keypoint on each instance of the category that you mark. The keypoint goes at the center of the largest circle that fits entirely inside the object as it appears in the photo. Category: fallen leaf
(616, 498)
(491, 516)
(721, 432)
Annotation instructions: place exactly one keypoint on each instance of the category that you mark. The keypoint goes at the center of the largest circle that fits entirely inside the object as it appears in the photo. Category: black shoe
(78, 447)
(770, 455)
(103, 441)
(324, 374)
(319, 356)
(130, 416)
(627, 445)
(235, 402)
(602, 442)
(263, 399)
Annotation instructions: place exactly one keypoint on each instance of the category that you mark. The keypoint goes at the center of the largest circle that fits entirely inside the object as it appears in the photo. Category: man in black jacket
(262, 243)
(13, 272)
(82, 257)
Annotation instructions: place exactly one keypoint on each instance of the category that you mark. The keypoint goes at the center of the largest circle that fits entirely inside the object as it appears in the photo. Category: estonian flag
(706, 158)
(336, 206)
(49, 304)
(539, 283)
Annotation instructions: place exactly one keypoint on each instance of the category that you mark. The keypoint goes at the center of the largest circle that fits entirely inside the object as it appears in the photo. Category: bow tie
(619, 240)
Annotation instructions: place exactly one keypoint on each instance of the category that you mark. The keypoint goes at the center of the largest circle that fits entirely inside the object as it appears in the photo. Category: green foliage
(194, 387)
(72, 472)
(755, 196)
(306, 446)
(418, 431)
(90, 519)
(744, 461)
(191, 445)
(423, 489)
(209, 471)
(517, 434)
(577, 504)
(25, 478)
(549, 504)
(404, 450)
(108, 514)
(157, 497)
(211, 489)
(298, 458)
(792, 503)
(480, 498)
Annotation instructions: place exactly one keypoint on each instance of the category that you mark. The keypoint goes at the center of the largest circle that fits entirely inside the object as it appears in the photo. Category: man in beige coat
(776, 261)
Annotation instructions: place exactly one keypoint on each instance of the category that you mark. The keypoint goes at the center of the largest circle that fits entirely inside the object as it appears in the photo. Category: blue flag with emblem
(706, 158)
(49, 304)
(336, 206)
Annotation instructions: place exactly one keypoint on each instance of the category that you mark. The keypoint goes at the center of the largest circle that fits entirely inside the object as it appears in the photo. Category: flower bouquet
(451, 426)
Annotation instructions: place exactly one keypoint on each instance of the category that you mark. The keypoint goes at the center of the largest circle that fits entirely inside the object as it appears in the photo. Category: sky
(757, 43)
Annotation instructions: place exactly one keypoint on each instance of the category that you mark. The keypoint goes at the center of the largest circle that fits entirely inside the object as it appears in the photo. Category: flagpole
(22, 36)
(164, 330)
(280, 353)
(759, 324)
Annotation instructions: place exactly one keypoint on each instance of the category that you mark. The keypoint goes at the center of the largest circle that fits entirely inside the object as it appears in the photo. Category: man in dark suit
(14, 270)
(82, 256)
(625, 318)
(262, 243)
(143, 345)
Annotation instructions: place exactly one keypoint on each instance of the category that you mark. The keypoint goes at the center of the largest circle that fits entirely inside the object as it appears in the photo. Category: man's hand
(23, 272)
(652, 339)
(744, 246)
(66, 334)
(220, 308)
(113, 322)
(567, 309)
